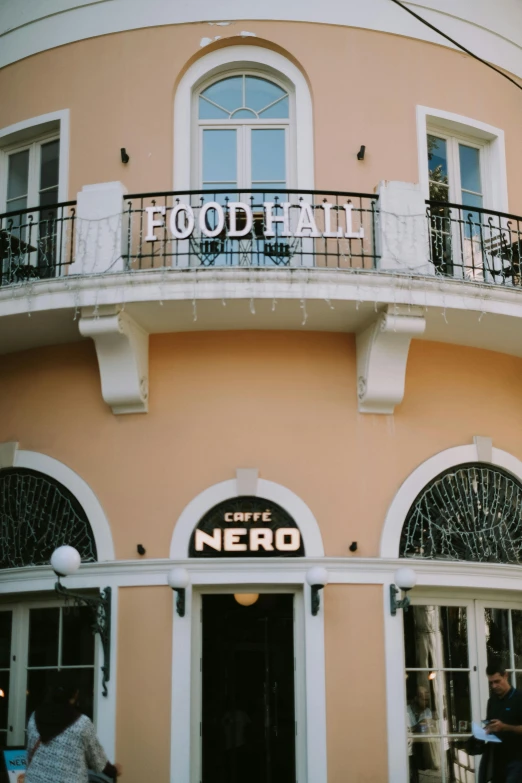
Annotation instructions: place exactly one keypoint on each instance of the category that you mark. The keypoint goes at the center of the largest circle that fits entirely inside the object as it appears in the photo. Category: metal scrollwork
(470, 512)
(37, 515)
(100, 607)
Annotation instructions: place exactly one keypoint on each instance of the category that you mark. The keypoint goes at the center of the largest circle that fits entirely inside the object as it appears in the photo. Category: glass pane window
(469, 159)
(251, 151)
(6, 621)
(503, 631)
(33, 175)
(43, 637)
(243, 97)
(438, 696)
(60, 638)
(17, 181)
(49, 169)
(438, 168)
(219, 158)
(268, 157)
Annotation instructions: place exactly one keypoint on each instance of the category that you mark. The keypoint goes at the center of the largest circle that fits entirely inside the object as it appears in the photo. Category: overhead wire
(456, 43)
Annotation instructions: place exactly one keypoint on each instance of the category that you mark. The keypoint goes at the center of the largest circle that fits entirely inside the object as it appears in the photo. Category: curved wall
(493, 31)
(282, 402)
(365, 87)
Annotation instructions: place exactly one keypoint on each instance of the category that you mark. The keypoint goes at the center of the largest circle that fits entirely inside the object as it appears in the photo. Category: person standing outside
(62, 745)
(504, 716)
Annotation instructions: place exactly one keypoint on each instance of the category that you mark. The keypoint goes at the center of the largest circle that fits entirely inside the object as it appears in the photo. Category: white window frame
(266, 64)
(19, 662)
(453, 141)
(428, 599)
(33, 179)
(36, 130)
(476, 133)
(243, 128)
(475, 602)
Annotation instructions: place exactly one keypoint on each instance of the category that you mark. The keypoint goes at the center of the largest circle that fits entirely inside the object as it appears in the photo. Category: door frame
(482, 603)
(227, 576)
(432, 598)
(196, 745)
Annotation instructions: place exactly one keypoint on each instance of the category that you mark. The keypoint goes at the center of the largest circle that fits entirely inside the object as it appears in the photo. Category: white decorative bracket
(122, 348)
(382, 353)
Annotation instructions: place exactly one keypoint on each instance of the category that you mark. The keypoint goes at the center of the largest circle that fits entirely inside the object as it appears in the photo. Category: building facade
(259, 315)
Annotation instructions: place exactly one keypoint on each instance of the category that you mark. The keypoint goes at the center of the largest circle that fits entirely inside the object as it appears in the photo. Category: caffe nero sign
(246, 527)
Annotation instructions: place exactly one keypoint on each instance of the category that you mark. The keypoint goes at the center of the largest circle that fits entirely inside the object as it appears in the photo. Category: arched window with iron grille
(469, 512)
(38, 514)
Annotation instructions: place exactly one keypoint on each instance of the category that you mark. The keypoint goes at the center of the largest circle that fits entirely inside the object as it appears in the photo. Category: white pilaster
(402, 234)
(100, 229)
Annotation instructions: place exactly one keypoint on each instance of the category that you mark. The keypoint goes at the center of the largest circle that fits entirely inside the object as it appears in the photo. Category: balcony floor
(457, 312)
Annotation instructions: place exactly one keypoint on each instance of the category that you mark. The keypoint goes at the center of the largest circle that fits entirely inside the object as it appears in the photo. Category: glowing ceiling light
(246, 599)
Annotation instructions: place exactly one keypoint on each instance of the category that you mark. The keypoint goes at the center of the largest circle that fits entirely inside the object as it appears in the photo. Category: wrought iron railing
(472, 243)
(37, 242)
(251, 228)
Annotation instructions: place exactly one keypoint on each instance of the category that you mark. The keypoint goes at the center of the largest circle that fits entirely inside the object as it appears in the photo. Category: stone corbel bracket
(382, 354)
(122, 348)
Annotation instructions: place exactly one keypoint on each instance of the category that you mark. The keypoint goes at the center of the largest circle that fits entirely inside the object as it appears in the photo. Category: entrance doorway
(448, 643)
(248, 695)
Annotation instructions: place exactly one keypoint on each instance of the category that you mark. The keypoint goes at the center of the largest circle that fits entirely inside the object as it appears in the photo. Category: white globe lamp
(65, 561)
(405, 580)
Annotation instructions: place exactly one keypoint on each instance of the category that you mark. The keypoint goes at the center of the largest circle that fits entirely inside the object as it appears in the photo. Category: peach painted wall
(355, 684)
(365, 86)
(144, 683)
(284, 402)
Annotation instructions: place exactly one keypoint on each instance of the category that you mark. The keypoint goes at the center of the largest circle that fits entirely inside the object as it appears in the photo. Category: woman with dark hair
(61, 742)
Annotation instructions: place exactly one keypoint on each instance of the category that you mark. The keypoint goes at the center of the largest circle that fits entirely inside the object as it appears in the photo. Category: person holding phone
(504, 719)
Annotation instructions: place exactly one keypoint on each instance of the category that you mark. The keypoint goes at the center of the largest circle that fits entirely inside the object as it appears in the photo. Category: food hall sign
(238, 218)
(246, 527)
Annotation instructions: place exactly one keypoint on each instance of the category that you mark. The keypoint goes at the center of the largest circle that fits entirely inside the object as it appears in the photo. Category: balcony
(255, 228)
(262, 230)
(470, 243)
(37, 243)
(386, 267)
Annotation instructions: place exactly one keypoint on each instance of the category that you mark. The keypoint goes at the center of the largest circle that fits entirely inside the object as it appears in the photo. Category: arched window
(243, 130)
(38, 514)
(469, 512)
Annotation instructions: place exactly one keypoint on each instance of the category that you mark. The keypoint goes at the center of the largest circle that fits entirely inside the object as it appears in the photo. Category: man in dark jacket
(504, 715)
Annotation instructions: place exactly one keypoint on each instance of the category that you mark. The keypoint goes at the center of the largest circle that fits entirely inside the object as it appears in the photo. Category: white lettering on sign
(213, 541)
(261, 537)
(239, 539)
(284, 545)
(152, 224)
(177, 231)
(233, 208)
(212, 220)
(247, 516)
(219, 222)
